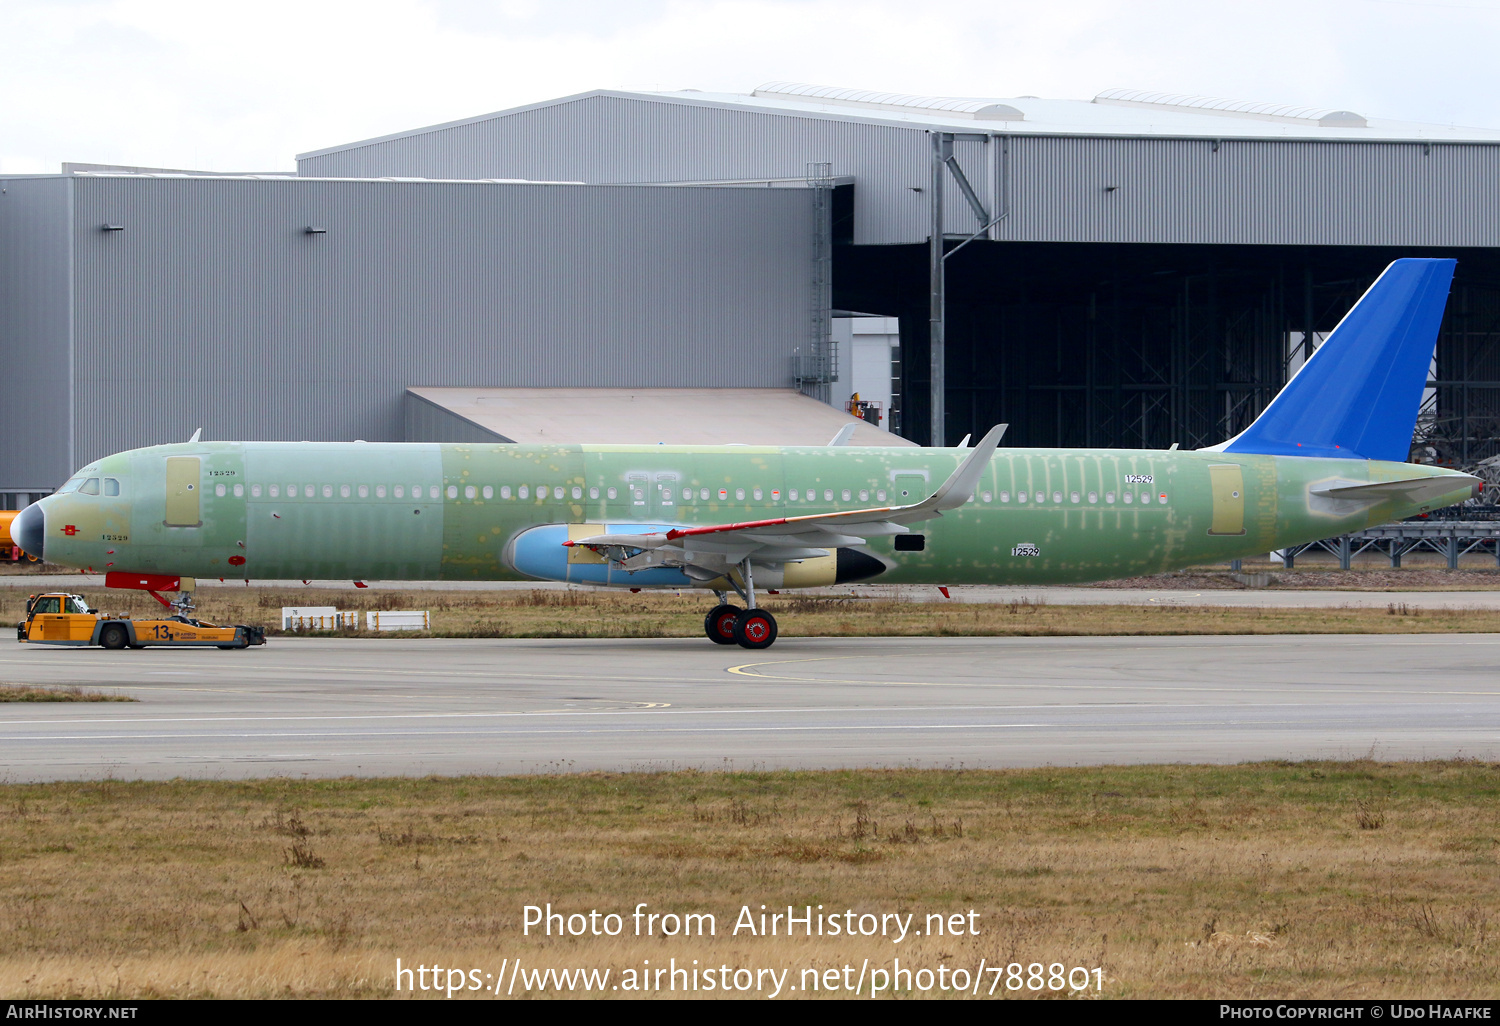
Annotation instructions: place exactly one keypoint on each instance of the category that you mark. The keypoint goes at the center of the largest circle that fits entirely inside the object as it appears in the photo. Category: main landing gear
(727, 624)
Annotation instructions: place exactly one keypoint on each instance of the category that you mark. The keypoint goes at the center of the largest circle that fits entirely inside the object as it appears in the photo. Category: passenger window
(557, 492)
(505, 491)
(1093, 498)
(827, 494)
(453, 491)
(988, 497)
(577, 492)
(703, 493)
(612, 493)
(432, 492)
(756, 494)
(239, 491)
(416, 492)
(687, 493)
(1041, 497)
(793, 495)
(1073, 497)
(364, 491)
(219, 490)
(1146, 497)
(1020, 496)
(739, 495)
(1057, 496)
(255, 491)
(1109, 496)
(524, 492)
(1005, 496)
(880, 495)
(1128, 496)
(845, 494)
(594, 492)
(111, 486)
(1162, 498)
(470, 492)
(399, 491)
(723, 493)
(328, 491)
(775, 494)
(343, 491)
(89, 487)
(380, 491)
(275, 491)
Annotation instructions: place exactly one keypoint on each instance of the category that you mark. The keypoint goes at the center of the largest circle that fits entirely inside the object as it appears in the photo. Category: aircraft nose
(29, 529)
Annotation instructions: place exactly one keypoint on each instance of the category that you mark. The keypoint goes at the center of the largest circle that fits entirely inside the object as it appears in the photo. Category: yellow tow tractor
(58, 618)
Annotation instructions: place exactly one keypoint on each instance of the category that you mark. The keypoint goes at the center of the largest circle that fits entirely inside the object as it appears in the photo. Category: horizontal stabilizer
(1357, 396)
(1412, 490)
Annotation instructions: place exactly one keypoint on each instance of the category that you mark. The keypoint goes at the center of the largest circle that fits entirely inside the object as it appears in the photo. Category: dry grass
(549, 613)
(1315, 880)
(39, 693)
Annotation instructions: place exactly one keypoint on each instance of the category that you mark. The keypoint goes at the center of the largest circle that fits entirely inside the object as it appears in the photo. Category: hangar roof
(648, 416)
(1114, 112)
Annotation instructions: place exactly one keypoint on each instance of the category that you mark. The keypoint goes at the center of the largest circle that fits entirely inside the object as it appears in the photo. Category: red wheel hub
(725, 625)
(756, 628)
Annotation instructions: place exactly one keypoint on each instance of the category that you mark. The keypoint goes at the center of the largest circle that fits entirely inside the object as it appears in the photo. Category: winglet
(959, 488)
(842, 438)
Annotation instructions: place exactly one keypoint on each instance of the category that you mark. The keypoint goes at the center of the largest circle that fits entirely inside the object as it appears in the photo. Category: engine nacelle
(539, 552)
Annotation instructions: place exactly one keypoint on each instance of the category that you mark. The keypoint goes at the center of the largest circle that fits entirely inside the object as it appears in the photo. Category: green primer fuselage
(347, 519)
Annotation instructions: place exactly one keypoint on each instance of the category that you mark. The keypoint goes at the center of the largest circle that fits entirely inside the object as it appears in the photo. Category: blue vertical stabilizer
(1357, 396)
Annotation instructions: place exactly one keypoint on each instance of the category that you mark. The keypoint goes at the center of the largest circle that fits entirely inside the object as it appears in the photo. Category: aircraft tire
(755, 628)
(114, 636)
(719, 624)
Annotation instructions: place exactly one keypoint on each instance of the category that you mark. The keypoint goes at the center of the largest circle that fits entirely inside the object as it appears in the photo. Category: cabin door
(184, 491)
(1229, 499)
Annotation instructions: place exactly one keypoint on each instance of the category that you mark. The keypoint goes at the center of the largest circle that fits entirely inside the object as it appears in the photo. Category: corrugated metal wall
(34, 334)
(428, 422)
(214, 307)
(618, 139)
(1252, 192)
(1166, 190)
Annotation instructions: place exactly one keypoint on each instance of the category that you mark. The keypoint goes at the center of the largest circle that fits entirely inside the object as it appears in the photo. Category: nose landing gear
(727, 624)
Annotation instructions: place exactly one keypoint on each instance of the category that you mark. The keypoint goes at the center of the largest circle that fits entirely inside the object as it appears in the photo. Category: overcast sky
(245, 87)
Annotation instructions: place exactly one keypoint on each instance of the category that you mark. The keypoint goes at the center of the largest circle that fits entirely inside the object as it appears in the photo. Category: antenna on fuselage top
(964, 442)
(196, 435)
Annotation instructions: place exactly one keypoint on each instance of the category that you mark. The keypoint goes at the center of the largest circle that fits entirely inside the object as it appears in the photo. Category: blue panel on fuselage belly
(540, 553)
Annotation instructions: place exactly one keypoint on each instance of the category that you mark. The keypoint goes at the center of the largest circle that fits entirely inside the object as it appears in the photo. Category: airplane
(1326, 457)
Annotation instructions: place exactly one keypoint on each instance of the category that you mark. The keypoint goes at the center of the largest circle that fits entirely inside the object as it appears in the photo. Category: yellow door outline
(183, 491)
(1228, 484)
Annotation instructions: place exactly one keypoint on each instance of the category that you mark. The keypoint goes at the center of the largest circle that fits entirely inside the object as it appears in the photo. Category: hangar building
(1135, 270)
(1146, 264)
(137, 308)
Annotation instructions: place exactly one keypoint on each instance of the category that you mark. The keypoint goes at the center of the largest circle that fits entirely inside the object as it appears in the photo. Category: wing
(709, 551)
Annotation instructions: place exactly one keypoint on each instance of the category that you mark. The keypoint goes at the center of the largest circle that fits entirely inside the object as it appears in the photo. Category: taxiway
(334, 707)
